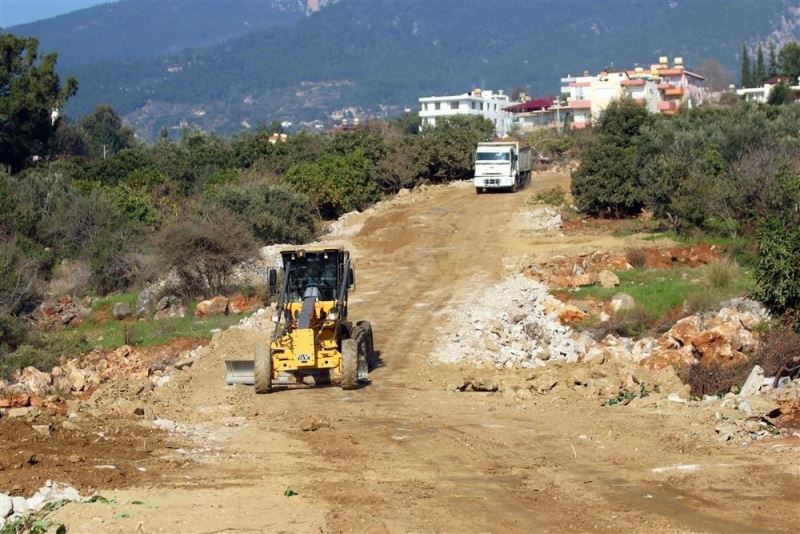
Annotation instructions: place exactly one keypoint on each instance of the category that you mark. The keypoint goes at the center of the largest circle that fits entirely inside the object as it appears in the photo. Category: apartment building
(663, 88)
(489, 104)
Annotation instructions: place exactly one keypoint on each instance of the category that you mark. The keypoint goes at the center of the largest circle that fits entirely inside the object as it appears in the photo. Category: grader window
(314, 272)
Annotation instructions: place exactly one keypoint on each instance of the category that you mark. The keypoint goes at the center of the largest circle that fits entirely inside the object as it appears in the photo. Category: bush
(636, 257)
(26, 356)
(780, 348)
(720, 275)
(17, 279)
(12, 333)
(276, 214)
(607, 180)
(712, 378)
(554, 197)
(337, 184)
(778, 269)
(204, 252)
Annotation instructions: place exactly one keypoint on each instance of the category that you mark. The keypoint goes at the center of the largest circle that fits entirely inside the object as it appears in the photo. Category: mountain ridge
(378, 56)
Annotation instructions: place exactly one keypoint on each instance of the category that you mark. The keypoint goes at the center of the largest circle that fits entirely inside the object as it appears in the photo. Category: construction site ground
(406, 453)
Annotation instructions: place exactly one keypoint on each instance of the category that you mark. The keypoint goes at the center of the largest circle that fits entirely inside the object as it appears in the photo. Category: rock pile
(541, 219)
(14, 507)
(61, 312)
(723, 338)
(508, 325)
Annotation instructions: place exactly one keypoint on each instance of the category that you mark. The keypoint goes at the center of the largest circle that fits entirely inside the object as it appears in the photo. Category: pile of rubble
(37, 389)
(585, 270)
(724, 337)
(63, 311)
(507, 325)
(15, 507)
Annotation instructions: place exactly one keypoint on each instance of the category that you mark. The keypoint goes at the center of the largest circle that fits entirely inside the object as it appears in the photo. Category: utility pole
(104, 151)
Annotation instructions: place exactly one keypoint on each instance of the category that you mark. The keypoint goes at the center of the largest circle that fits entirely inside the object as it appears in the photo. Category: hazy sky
(13, 12)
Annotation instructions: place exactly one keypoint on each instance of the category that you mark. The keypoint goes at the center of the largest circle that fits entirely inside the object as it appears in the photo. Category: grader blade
(240, 372)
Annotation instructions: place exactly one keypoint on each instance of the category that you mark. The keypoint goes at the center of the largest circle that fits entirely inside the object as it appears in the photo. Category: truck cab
(503, 165)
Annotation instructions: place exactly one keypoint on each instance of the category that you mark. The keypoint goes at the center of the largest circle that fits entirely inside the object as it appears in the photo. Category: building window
(473, 105)
(453, 105)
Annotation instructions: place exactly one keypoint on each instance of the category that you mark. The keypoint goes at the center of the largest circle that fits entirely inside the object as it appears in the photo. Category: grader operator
(312, 342)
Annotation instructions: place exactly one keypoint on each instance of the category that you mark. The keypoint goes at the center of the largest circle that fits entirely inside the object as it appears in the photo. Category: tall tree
(105, 132)
(30, 91)
(747, 74)
(760, 73)
(790, 60)
(772, 68)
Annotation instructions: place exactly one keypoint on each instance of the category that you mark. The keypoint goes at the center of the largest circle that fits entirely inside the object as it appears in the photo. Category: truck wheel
(478, 191)
(349, 364)
(263, 369)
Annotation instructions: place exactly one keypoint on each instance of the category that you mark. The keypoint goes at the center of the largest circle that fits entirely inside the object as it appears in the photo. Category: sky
(13, 12)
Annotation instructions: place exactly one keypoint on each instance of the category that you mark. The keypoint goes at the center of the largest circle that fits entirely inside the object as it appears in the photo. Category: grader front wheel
(349, 364)
(263, 369)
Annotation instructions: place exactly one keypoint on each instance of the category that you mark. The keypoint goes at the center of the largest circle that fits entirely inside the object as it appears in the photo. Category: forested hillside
(375, 55)
(143, 29)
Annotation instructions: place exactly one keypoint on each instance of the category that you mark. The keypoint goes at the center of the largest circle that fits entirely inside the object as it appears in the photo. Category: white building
(761, 94)
(487, 104)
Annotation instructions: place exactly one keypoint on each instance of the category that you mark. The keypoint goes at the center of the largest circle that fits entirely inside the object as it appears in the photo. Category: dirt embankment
(407, 453)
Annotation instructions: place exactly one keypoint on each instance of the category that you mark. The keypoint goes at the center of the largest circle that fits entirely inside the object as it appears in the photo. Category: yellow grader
(312, 341)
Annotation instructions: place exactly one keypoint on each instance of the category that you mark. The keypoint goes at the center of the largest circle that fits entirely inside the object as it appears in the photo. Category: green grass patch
(660, 290)
(112, 334)
(110, 300)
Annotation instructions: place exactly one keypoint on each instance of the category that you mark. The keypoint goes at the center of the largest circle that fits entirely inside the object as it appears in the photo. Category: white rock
(745, 407)
(6, 506)
(622, 302)
(20, 505)
(753, 383)
(674, 397)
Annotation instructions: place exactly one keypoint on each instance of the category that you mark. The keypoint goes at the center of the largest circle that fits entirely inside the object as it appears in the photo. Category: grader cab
(312, 341)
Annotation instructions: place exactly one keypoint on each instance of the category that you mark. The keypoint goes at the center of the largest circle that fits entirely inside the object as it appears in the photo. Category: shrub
(778, 268)
(607, 179)
(780, 348)
(26, 356)
(713, 378)
(276, 214)
(636, 257)
(554, 197)
(12, 333)
(204, 252)
(17, 279)
(337, 184)
(720, 275)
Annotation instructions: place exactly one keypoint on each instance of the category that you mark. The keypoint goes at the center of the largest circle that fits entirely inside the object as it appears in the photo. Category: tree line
(785, 63)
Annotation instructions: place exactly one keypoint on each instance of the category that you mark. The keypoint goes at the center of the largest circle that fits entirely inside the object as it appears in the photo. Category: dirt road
(404, 454)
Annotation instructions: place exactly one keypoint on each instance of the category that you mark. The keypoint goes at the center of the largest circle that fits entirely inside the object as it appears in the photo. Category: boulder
(170, 313)
(214, 306)
(571, 315)
(121, 310)
(622, 302)
(680, 334)
(607, 279)
(239, 304)
(753, 383)
(37, 382)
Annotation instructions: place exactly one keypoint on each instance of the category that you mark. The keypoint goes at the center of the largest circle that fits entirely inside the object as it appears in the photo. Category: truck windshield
(493, 156)
(313, 270)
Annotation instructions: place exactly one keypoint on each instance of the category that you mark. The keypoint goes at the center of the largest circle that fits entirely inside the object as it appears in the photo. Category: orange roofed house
(661, 89)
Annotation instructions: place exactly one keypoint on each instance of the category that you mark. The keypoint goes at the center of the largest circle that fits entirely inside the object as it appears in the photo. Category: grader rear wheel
(263, 369)
(349, 364)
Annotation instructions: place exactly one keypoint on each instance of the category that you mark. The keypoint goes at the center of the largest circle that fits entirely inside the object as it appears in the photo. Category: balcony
(674, 91)
(667, 107)
(580, 104)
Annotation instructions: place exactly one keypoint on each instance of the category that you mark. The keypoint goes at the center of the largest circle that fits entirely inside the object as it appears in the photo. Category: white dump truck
(502, 165)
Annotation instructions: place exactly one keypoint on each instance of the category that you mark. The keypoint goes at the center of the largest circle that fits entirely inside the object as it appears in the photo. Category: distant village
(663, 88)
